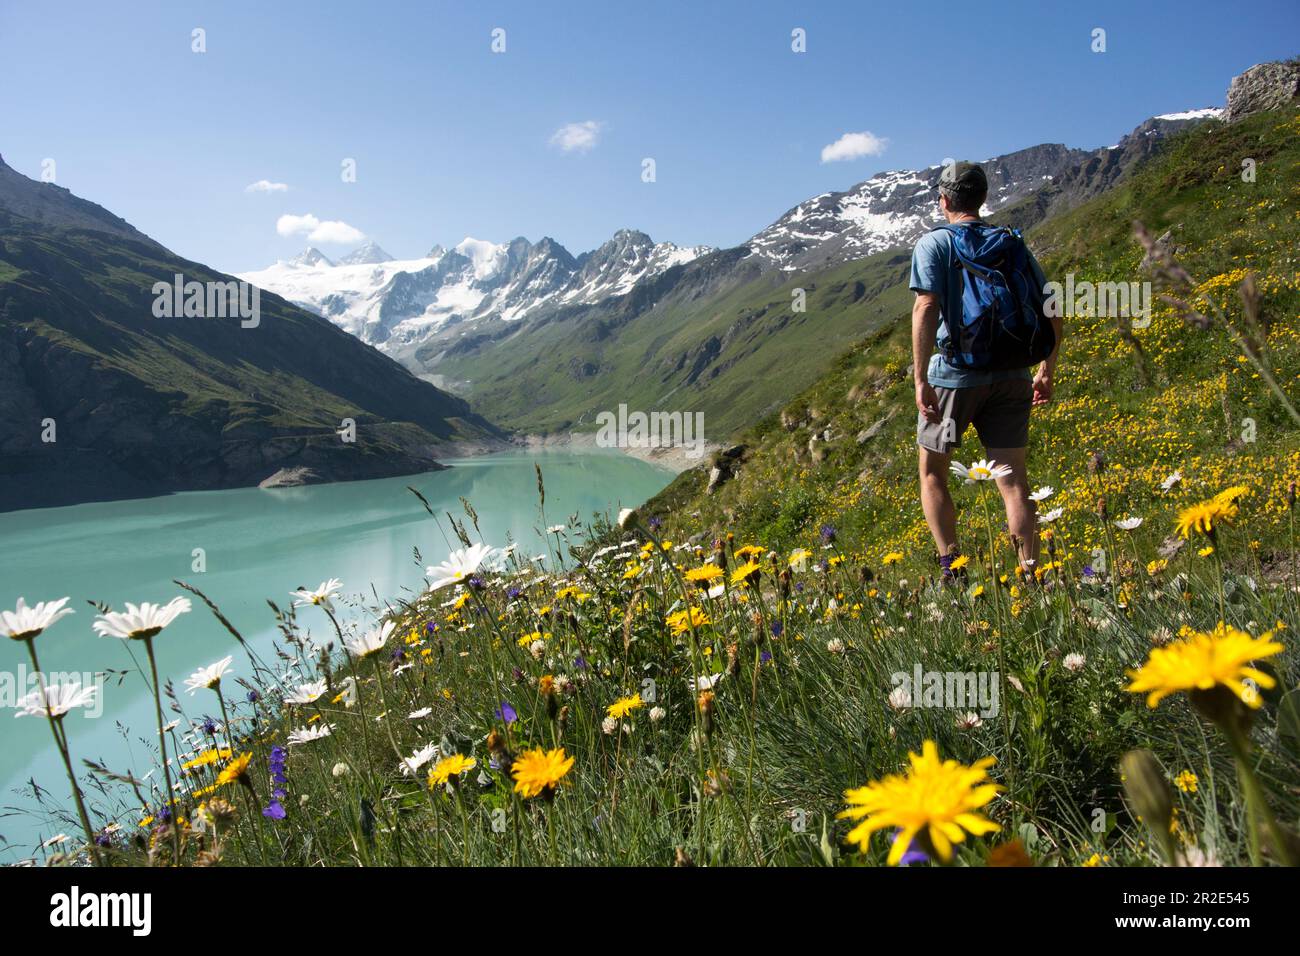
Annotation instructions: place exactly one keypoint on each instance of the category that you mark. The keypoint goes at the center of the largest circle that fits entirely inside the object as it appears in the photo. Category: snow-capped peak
(1207, 113)
(398, 305)
(310, 258)
(487, 257)
(369, 253)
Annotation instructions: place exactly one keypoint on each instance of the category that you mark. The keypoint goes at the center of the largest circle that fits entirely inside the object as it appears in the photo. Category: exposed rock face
(725, 465)
(1268, 86)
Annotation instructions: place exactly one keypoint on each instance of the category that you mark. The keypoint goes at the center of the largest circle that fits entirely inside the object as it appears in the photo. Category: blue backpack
(1002, 323)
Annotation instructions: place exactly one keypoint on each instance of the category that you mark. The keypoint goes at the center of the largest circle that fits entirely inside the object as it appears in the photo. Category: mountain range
(542, 341)
(400, 305)
(100, 397)
(537, 339)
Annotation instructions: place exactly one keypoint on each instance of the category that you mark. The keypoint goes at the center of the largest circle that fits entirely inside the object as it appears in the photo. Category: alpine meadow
(497, 554)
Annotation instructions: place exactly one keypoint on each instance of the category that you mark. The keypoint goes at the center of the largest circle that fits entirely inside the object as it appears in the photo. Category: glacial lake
(257, 544)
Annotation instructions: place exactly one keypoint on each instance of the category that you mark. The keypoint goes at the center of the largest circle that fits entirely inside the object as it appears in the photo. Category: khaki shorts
(1000, 413)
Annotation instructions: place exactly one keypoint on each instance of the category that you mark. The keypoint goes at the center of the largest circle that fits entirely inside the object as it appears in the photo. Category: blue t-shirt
(935, 269)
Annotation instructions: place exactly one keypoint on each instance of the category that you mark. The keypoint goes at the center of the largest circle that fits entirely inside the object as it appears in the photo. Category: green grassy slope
(145, 404)
(559, 376)
(1175, 397)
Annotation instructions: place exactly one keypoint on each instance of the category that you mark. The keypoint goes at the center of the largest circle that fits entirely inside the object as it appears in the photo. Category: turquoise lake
(257, 544)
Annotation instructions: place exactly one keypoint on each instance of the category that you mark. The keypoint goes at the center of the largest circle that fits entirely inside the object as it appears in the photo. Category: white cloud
(577, 137)
(330, 230)
(854, 146)
(266, 186)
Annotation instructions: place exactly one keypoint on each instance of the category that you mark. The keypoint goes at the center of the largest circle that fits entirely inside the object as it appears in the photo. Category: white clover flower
(969, 721)
(835, 645)
(1074, 662)
(657, 714)
(340, 770)
(609, 725)
(142, 622)
(900, 698)
(24, 623)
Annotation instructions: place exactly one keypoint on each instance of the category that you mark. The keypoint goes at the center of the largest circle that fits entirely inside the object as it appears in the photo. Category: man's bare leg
(1022, 517)
(936, 500)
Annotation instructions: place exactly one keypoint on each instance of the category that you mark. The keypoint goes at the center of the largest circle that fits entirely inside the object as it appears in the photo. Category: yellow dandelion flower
(207, 757)
(234, 770)
(539, 771)
(704, 574)
(624, 706)
(450, 767)
(892, 558)
(934, 803)
(1203, 517)
(679, 622)
(745, 573)
(1201, 661)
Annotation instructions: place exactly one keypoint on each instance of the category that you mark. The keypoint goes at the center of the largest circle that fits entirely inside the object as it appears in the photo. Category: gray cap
(963, 177)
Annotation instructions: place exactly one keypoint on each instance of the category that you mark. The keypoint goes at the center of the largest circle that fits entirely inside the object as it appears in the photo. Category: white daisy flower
(1171, 480)
(306, 693)
(306, 735)
(371, 642)
(1050, 516)
(56, 700)
(208, 677)
(707, 682)
(458, 566)
(556, 529)
(420, 714)
(982, 470)
(1128, 524)
(24, 623)
(321, 595)
(142, 622)
(1042, 494)
(418, 759)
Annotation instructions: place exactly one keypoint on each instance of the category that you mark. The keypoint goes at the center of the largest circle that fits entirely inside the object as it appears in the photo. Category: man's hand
(927, 402)
(1042, 387)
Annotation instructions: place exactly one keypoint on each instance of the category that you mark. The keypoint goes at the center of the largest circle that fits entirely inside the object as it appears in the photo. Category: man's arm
(1043, 378)
(925, 326)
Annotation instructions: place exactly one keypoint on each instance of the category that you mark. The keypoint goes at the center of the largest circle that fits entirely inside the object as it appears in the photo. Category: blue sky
(451, 139)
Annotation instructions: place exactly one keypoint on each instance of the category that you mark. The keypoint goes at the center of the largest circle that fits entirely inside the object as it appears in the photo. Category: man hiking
(979, 301)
